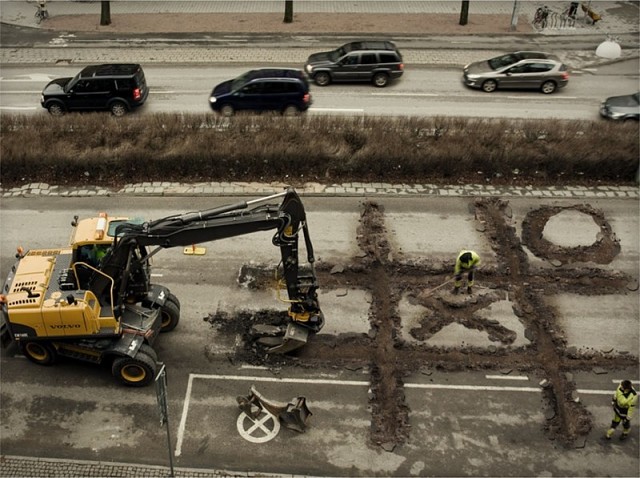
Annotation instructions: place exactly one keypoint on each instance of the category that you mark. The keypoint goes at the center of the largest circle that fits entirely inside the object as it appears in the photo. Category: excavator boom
(124, 263)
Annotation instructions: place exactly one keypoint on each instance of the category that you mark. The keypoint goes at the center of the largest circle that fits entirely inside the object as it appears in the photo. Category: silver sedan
(519, 70)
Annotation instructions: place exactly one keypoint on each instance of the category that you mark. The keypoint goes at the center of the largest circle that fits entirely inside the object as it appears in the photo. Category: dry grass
(99, 149)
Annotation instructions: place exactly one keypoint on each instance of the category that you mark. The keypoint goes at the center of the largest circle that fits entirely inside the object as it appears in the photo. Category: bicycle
(540, 17)
(41, 11)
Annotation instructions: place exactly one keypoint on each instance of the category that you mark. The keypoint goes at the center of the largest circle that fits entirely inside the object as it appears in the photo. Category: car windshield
(71, 84)
(239, 81)
(502, 61)
(335, 55)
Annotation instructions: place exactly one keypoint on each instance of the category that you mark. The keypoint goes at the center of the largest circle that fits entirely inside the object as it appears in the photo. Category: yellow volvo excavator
(94, 300)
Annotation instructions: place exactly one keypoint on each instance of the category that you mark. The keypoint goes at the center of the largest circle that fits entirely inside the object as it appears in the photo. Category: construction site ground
(406, 379)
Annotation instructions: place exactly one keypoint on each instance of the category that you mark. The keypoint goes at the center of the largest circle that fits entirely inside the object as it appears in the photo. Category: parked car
(626, 107)
(268, 89)
(518, 70)
(119, 88)
(373, 61)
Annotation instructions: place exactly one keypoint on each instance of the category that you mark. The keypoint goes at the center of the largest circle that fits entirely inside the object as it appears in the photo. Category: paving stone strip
(170, 189)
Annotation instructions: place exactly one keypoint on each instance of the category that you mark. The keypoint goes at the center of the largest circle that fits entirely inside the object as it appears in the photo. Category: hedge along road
(421, 91)
(399, 382)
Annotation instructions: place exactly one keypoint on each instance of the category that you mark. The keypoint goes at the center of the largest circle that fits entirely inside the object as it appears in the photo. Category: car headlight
(309, 68)
(212, 99)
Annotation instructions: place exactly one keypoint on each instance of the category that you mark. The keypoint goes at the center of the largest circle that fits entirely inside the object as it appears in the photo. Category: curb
(354, 189)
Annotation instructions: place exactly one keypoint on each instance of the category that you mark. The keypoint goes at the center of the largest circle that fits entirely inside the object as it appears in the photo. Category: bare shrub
(98, 148)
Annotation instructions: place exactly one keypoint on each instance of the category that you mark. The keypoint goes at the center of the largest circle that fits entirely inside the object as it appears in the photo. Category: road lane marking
(260, 424)
(432, 386)
(356, 110)
(192, 376)
(19, 108)
(507, 377)
(405, 94)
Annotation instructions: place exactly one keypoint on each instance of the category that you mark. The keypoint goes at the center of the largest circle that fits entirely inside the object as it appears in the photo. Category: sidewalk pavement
(619, 18)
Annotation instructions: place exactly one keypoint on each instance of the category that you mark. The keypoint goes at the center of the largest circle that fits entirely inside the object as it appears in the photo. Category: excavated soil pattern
(390, 359)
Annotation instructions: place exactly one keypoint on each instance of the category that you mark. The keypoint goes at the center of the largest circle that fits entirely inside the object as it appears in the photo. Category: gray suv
(372, 61)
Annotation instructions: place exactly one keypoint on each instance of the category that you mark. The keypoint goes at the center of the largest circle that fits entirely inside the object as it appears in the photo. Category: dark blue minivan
(285, 90)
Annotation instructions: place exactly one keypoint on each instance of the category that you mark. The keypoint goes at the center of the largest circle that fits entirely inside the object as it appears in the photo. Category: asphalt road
(489, 422)
(436, 91)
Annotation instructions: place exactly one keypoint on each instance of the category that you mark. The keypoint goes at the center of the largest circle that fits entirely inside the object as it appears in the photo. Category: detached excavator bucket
(292, 415)
(295, 416)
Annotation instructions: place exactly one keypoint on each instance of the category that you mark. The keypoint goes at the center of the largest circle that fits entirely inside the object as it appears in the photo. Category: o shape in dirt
(605, 248)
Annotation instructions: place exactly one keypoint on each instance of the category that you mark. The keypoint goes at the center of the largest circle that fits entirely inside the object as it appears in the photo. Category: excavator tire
(170, 315)
(42, 353)
(150, 351)
(138, 371)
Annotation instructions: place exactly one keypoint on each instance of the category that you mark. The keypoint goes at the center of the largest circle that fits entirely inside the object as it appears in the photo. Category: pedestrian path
(617, 17)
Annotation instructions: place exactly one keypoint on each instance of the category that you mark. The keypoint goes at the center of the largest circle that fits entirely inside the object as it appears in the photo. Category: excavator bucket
(296, 415)
(293, 415)
(294, 337)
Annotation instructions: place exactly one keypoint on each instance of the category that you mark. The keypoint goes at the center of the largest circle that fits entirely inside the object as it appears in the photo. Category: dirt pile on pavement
(390, 359)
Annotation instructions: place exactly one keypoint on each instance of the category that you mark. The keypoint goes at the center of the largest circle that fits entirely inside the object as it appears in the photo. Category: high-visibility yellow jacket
(475, 261)
(625, 403)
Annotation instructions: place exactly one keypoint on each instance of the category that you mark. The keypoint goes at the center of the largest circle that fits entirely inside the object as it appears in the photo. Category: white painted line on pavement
(432, 386)
(319, 381)
(594, 392)
(358, 110)
(507, 377)
(192, 376)
(405, 94)
(22, 92)
(254, 367)
(484, 388)
(19, 108)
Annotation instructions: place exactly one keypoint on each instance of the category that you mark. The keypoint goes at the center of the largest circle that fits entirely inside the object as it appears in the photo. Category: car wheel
(380, 80)
(118, 108)
(227, 110)
(489, 86)
(291, 111)
(55, 109)
(322, 79)
(548, 87)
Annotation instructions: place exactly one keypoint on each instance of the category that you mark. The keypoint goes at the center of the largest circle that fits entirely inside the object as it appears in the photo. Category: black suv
(374, 61)
(115, 87)
(268, 89)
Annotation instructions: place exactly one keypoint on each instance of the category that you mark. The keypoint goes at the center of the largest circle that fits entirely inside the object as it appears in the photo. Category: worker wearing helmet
(624, 401)
(467, 261)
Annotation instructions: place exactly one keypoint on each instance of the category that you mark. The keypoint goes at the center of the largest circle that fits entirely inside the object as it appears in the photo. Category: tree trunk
(105, 12)
(288, 11)
(464, 12)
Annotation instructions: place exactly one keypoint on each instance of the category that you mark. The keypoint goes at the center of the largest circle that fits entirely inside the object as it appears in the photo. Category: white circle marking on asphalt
(265, 427)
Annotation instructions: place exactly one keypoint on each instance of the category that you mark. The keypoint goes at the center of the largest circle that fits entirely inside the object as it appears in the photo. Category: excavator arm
(127, 259)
